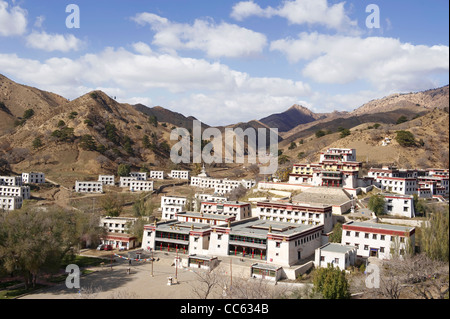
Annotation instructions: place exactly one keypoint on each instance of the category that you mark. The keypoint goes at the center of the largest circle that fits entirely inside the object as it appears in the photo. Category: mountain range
(95, 133)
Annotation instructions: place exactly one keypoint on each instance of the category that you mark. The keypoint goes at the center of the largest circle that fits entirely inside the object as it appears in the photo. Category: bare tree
(102, 160)
(416, 275)
(205, 283)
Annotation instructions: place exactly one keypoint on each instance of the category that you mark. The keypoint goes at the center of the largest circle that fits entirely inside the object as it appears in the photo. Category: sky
(227, 61)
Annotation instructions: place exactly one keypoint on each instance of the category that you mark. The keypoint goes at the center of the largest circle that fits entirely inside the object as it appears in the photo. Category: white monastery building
(33, 178)
(179, 174)
(107, 179)
(335, 254)
(88, 187)
(377, 240)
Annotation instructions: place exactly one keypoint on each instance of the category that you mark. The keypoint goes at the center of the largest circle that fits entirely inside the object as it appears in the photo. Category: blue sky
(227, 61)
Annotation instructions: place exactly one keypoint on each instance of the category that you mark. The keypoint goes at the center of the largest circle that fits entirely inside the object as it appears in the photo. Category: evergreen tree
(331, 283)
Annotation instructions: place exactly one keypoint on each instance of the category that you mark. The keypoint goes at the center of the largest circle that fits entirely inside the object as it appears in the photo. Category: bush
(345, 132)
(65, 134)
(88, 143)
(61, 123)
(153, 120)
(28, 114)
(401, 119)
(331, 283)
(292, 146)
(320, 133)
(376, 204)
(72, 115)
(37, 143)
(405, 138)
(123, 170)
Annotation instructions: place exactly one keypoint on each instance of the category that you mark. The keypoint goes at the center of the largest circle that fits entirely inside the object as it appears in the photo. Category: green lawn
(81, 261)
(13, 293)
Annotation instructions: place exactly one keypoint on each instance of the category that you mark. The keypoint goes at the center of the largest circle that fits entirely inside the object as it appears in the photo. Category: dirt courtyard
(105, 283)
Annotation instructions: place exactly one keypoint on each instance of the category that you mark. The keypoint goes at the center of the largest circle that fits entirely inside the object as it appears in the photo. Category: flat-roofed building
(156, 175)
(184, 238)
(88, 187)
(179, 174)
(140, 176)
(125, 181)
(337, 167)
(278, 243)
(204, 218)
(378, 240)
(170, 205)
(266, 272)
(296, 213)
(117, 224)
(399, 185)
(11, 180)
(120, 241)
(10, 202)
(33, 178)
(239, 210)
(399, 205)
(107, 179)
(336, 254)
(15, 191)
(141, 186)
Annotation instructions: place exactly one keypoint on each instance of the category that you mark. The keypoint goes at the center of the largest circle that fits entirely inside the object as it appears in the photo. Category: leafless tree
(102, 160)
(237, 193)
(416, 275)
(205, 283)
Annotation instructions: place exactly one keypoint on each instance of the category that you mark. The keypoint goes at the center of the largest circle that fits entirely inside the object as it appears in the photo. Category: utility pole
(176, 265)
(231, 272)
(152, 263)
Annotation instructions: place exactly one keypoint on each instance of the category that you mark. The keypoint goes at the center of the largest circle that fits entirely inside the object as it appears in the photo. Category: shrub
(405, 138)
(401, 119)
(123, 170)
(88, 143)
(320, 133)
(37, 143)
(28, 114)
(345, 132)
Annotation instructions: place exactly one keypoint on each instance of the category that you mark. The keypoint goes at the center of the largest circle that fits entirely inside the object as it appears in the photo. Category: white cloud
(39, 21)
(129, 74)
(299, 12)
(53, 42)
(13, 21)
(216, 40)
(386, 63)
(142, 48)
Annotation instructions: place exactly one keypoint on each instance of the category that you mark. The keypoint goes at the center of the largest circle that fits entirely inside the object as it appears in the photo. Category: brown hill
(289, 119)
(86, 136)
(430, 130)
(417, 102)
(15, 99)
(165, 115)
